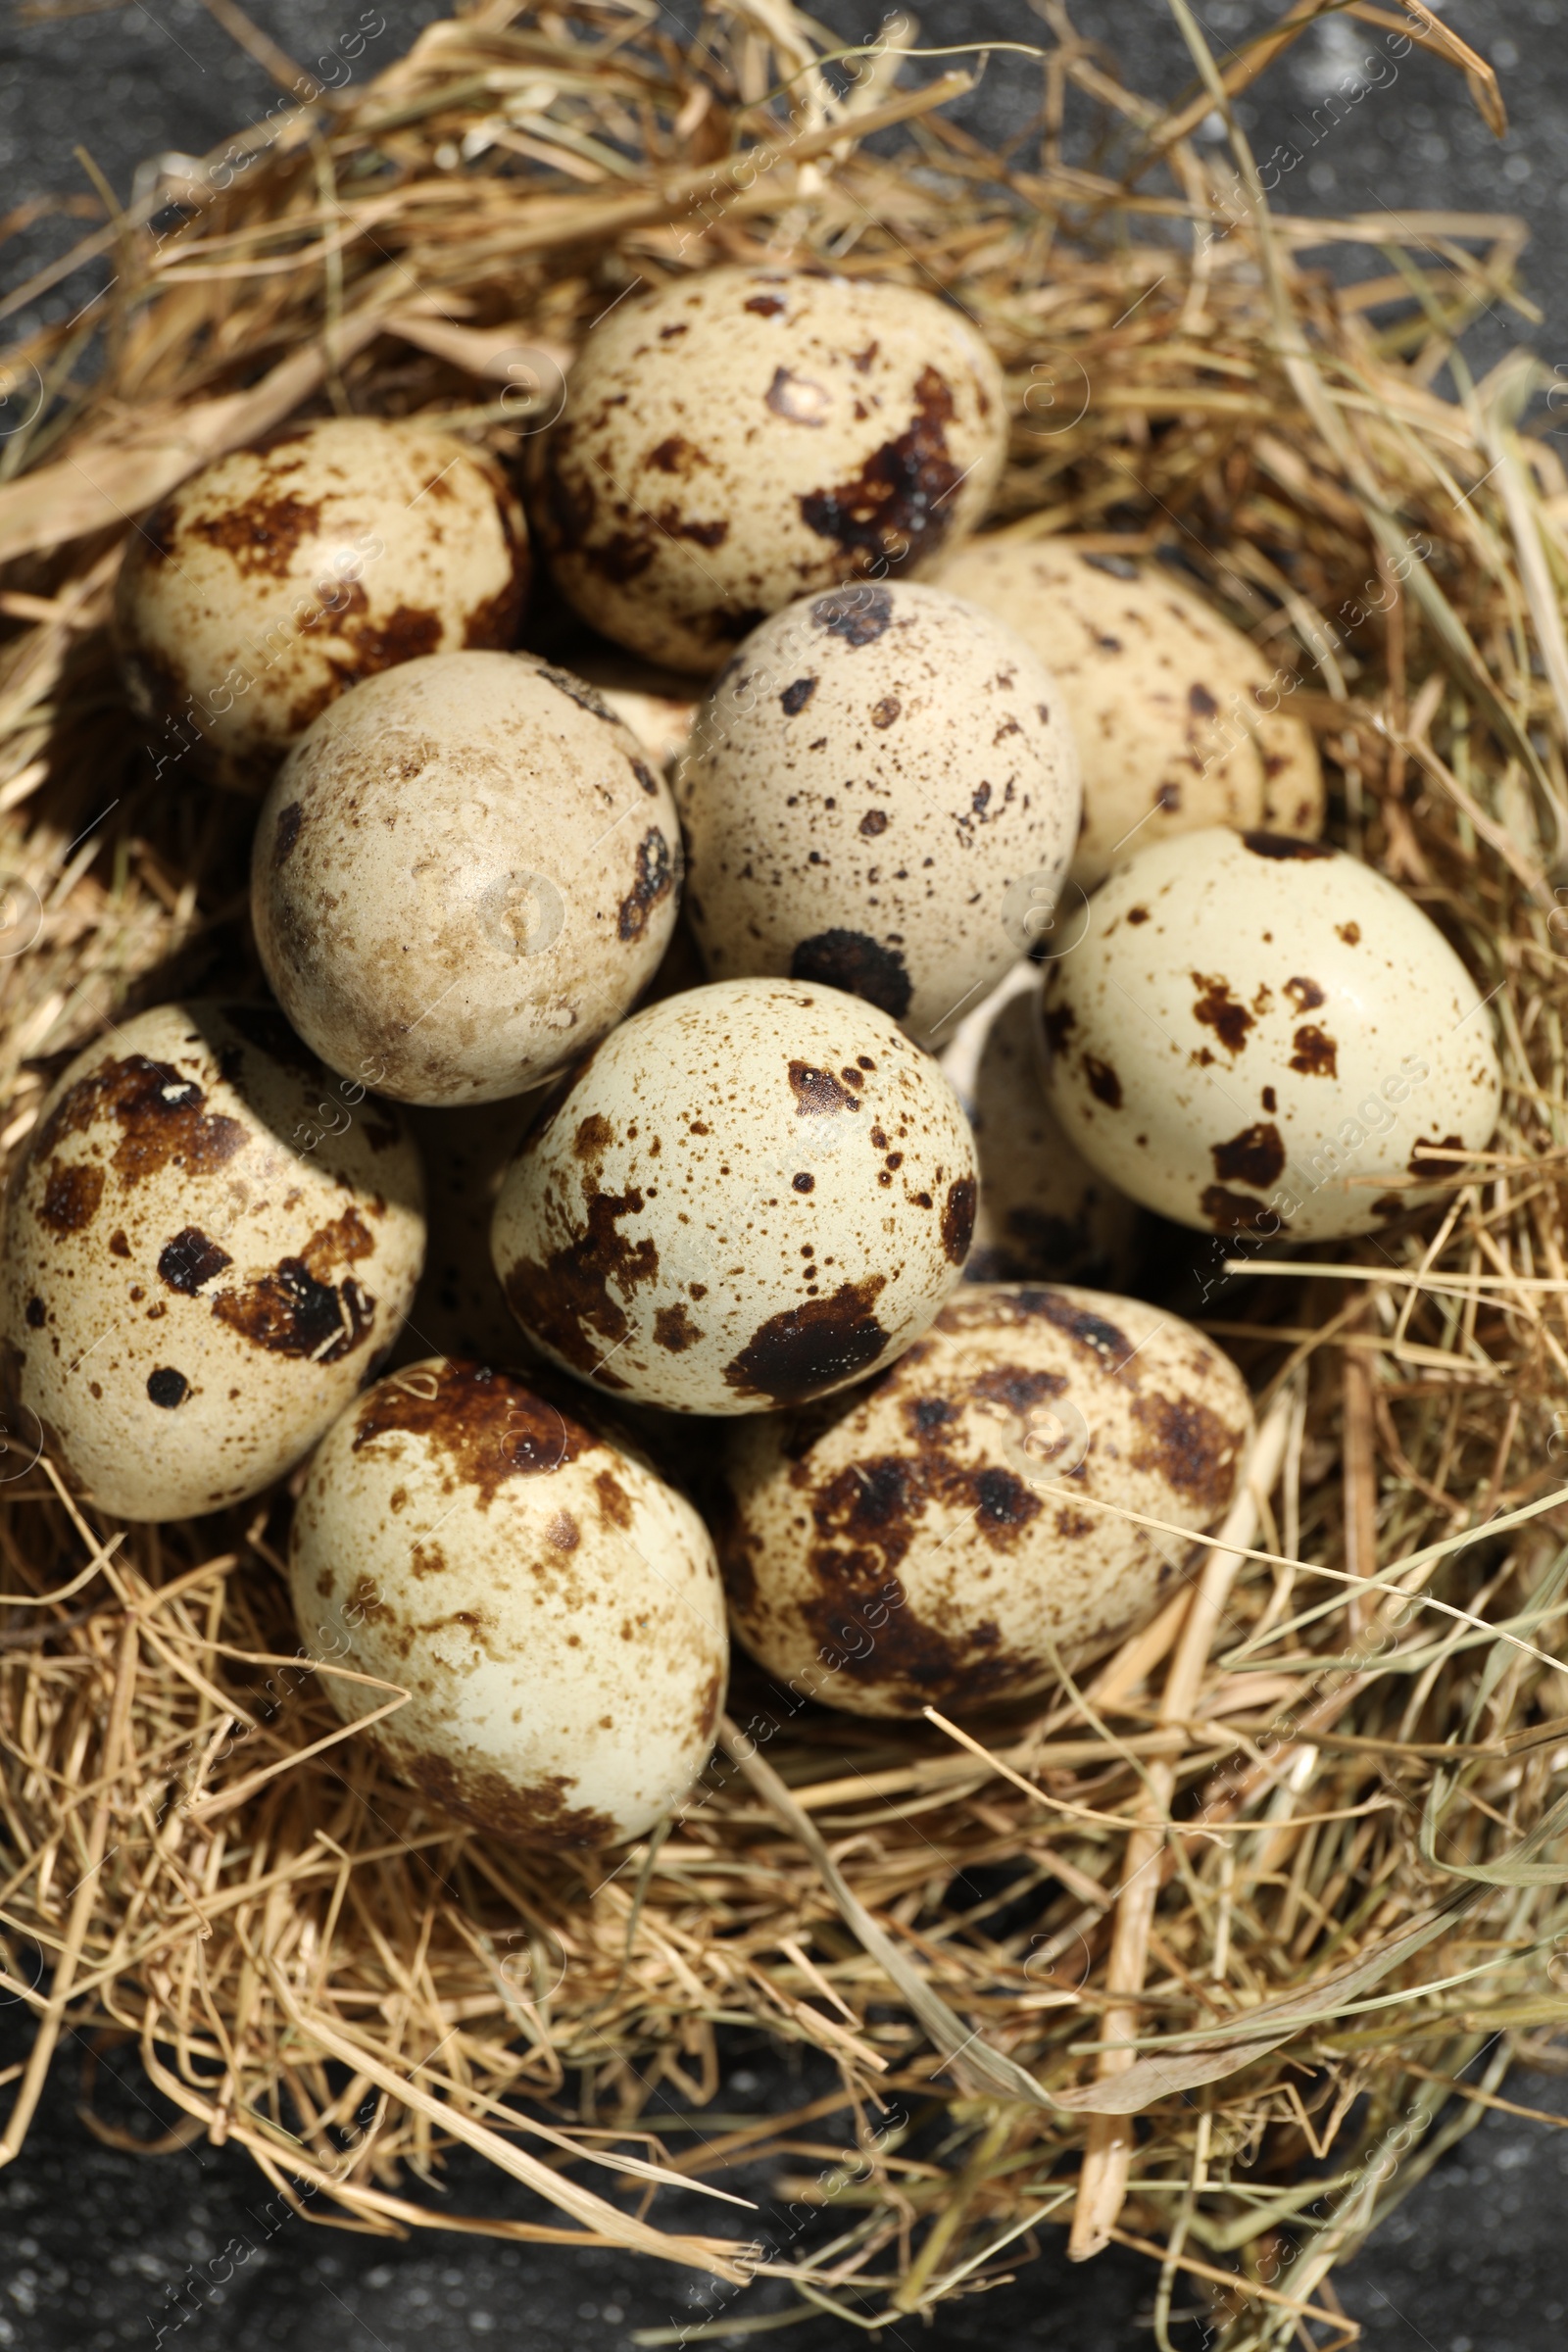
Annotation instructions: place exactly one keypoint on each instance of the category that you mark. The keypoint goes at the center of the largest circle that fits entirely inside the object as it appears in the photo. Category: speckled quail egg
(457, 1308)
(1045, 1214)
(874, 785)
(209, 1248)
(463, 876)
(931, 1538)
(550, 1606)
(1262, 1034)
(279, 575)
(749, 435)
(658, 704)
(1180, 721)
(751, 1193)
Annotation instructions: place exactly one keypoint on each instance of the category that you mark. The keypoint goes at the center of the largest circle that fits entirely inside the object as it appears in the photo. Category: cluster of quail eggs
(773, 1007)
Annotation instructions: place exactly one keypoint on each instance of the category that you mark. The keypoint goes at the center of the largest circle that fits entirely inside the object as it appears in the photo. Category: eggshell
(930, 1538)
(874, 785)
(463, 876)
(1045, 1214)
(279, 575)
(1256, 1033)
(210, 1246)
(457, 1308)
(748, 435)
(1179, 718)
(551, 1607)
(753, 1193)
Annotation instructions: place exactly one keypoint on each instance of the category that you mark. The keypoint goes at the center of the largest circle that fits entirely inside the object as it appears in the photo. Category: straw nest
(1257, 1895)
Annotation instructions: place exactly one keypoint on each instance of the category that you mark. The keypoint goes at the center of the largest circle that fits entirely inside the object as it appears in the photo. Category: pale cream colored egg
(209, 1248)
(751, 1193)
(1180, 720)
(1263, 1035)
(875, 785)
(279, 575)
(932, 1539)
(465, 875)
(1044, 1215)
(748, 435)
(550, 1606)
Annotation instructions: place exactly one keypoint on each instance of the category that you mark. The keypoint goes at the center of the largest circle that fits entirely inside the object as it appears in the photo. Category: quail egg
(462, 876)
(279, 575)
(550, 1606)
(1045, 1214)
(751, 1193)
(931, 1537)
(1180, 721)
(875, 783)
(208, 1246)
(1262, 1034)
(748, 435)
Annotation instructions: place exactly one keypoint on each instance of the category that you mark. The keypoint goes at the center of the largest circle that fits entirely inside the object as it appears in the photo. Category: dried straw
(1293, 1855)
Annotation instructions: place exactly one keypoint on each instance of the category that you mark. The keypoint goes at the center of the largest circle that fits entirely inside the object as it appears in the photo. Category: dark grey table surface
(100, 2247)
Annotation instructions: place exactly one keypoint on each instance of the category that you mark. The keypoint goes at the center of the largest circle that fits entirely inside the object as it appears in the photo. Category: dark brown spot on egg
(817, 1092)
(1316, 1054)
(1305, 994)
(487, 1426)
(805, 1182)
(858, 613)
(677, 456)
(1239, 1212)
(615, 1507)
(1255, 1156)
(1120, 567)
(1350, 933)
(813, 1347)
(894, 506)
(1217, 1010)
(36, 1314)
(957, 1219)
(1426, 1158)
(873, 823)
(160, 1113)
(1058, 1022)
(765, 306)
(286, 832)
(1014, 1384)
(535, 1815)
(1137, 914)
(860, 965)
(593, 1139)
(190, 1259)
(1105, 1341)
(563, 1532)
(406, 634)
(567, 1300)
(796, 697)
(1201, 702)
(576, 690)
(645, 775)
(118, 1245)
(1285, 845)
(167, 1387)
(262, 533)
(1270, 1099)
(297, 1309)
(1190, 1446)
(1104, 1083)
(884, 712)
(674, 1330)
(72, 1196)
(655, 879)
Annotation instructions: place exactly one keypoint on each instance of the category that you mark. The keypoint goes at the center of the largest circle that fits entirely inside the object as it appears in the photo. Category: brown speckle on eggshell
(550, 1606)
(278, 575)
(210, 1246)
